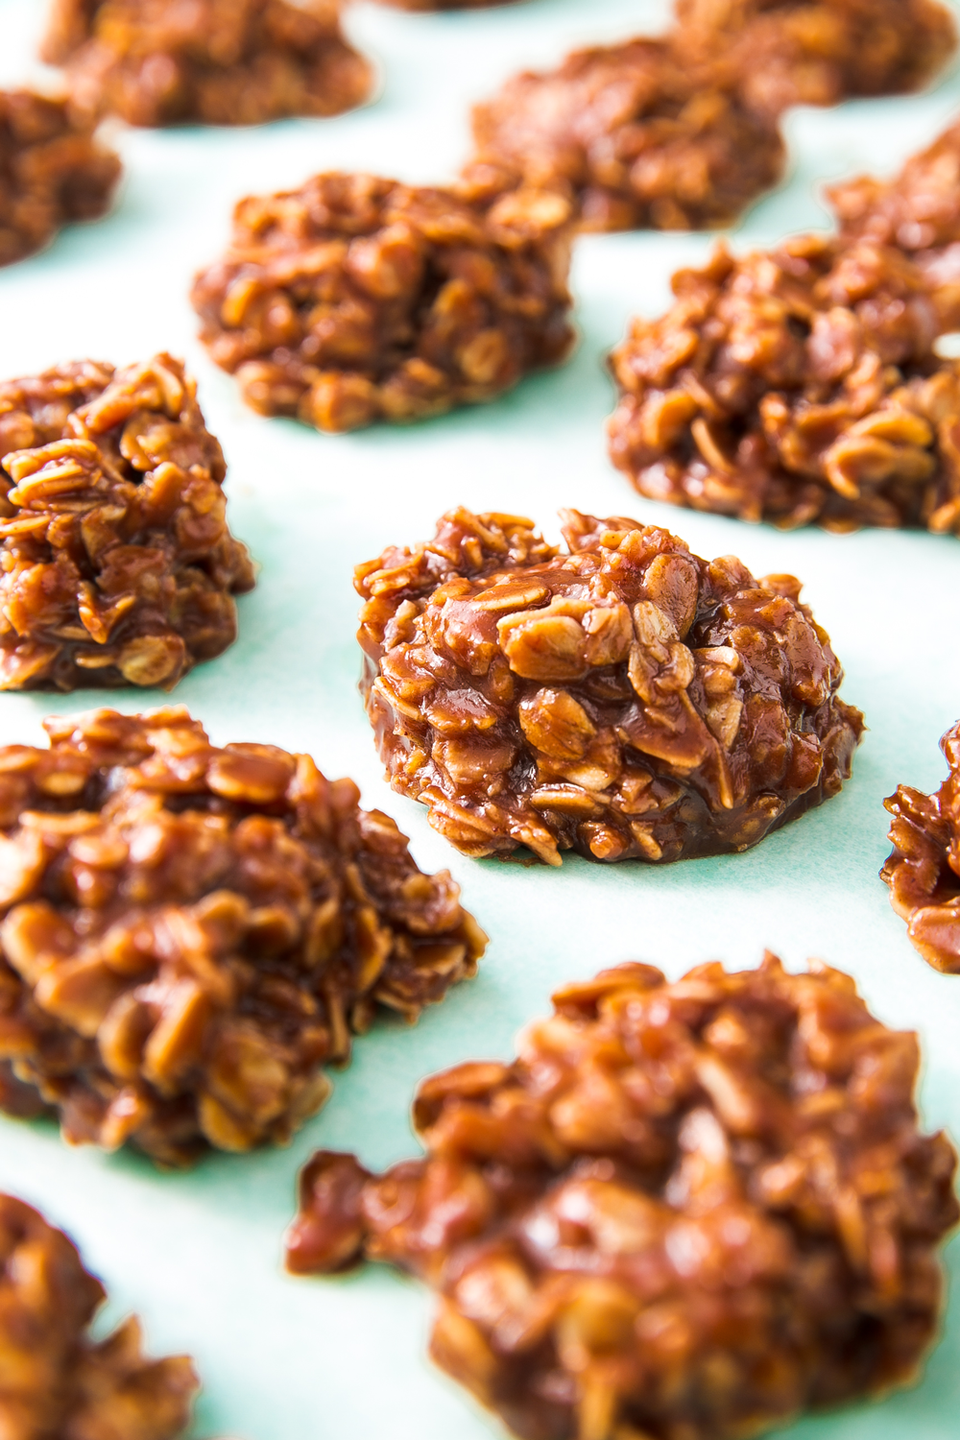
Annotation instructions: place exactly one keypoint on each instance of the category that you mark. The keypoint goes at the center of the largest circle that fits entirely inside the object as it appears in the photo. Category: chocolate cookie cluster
(52, 171)
(191, 933)
(685, 1210)
(634, 135)
(799, 385)
(923, 872)
(622, 698)
(57, 1380)
(918, 211)
(681, 132)
(118, 566)
(819, 52)
(357, 298)
(213, 62)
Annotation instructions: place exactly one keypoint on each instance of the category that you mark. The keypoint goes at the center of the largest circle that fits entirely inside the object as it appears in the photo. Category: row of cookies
(802, 384)
(692, 140)
(672, 1186)
(683, 1208)
(621, 697)
(256, 60)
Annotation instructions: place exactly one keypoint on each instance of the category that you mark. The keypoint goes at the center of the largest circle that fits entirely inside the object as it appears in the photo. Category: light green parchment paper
(198, 1254)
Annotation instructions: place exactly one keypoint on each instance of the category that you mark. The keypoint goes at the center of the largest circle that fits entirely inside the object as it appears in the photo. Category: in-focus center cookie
(625, 698)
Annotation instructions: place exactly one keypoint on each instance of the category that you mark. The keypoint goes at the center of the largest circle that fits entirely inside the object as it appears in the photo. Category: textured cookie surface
(52, 171)
(799, 385)
(635, 135)
(191, 933)
(355, 298)
(214, 62)
(687, 1211)
(58, 1382)
(116, 562)
(918, 211)
(623, 698)
(923, 871)
(819, 52)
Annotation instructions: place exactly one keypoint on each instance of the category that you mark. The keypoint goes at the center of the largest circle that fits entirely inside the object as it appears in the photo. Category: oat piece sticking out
(923, 871)
(355, 299)
(798, 385)
(688, 1210)
(918, 211)
(212, 62)
(116, 563)
(52, 171)
(622, 698)
(634, 134)
(793, 52)
(190, 933)
(58, 1381)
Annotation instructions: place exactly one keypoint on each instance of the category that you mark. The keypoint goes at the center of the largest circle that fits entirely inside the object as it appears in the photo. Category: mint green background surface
(197, 1255)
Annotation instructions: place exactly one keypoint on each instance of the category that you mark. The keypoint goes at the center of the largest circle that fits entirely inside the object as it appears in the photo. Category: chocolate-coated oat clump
(116, 563)
(634, 134)
(918, 211)
(52, 171)
(57, 1381)
(191, 933)
(818, 52)
(924, 870)
(214, 62)
(687, 1211)
(798, 385)
(622, 698)
(355, 299)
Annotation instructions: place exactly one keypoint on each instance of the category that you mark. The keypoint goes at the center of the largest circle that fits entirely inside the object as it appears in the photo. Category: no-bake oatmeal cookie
(116, 563)
(214, 62)
(923, 871)
(622, 697)
(687, 1211)
(52, 171)
(356, 298)
(818, 52)
(190, 933)
(918, 210)
(798, 385)
(58, 1382)
(634, 135)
